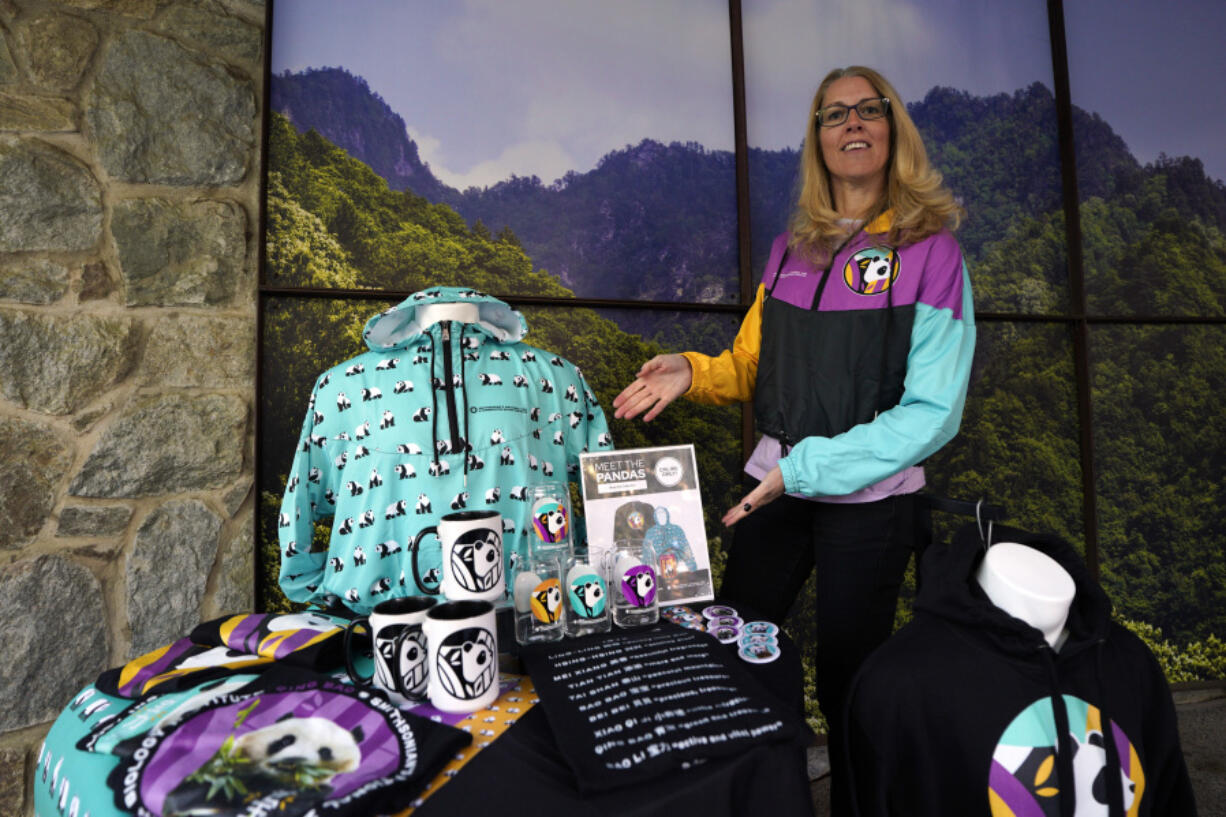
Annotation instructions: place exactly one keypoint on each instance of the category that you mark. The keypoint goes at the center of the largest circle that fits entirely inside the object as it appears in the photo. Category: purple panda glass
(633, 574)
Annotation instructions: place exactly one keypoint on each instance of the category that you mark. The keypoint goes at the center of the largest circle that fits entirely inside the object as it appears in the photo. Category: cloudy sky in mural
(489, 88)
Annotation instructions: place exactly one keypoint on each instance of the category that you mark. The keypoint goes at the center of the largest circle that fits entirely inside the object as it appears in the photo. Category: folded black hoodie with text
(967, 710)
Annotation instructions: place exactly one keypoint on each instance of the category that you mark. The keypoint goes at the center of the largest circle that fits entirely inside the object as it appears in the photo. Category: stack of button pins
(684, 616)
(759, 642)
(756, 641)
(723, 623)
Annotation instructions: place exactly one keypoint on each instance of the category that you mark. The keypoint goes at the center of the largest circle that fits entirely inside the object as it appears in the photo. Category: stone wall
(129, 204)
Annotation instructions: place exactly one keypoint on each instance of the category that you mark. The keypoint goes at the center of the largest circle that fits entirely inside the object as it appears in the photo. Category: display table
(514, 765)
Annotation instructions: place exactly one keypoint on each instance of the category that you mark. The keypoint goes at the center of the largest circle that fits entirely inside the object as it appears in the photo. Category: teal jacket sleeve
(927, 416)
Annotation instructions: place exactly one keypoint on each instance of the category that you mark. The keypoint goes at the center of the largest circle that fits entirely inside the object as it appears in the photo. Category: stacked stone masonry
(129, 212)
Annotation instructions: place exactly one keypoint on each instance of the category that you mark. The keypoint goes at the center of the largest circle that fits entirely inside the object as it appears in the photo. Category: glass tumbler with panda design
(540, 613)
(551, 516)
(633, 574)
(587, 597)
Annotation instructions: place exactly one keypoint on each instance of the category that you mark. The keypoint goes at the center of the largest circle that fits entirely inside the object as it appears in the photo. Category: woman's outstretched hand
(659, 382)
(768, 490)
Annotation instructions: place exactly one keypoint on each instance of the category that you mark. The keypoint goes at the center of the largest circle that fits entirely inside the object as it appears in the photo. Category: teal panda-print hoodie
(454, 416)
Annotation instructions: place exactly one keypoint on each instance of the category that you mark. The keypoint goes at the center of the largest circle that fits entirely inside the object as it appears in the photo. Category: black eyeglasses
(836, 114)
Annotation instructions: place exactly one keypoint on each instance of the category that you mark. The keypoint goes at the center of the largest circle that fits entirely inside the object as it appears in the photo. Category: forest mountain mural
(649, 207)
(350, 204)
(346, 112)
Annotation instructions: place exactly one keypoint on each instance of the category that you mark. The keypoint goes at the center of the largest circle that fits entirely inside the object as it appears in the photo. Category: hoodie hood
(398, 327)
(950, 591)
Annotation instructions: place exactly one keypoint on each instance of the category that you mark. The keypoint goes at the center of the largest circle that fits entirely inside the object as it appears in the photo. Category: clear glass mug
(551, 514)
(540, 614)
(587, 598)
(633, 576)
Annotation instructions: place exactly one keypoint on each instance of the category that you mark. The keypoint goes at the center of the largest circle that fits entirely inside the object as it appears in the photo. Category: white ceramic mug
(399, 645)
(462, 637)
(471, 555)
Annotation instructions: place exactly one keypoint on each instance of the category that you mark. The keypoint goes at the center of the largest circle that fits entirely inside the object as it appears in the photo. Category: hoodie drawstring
(1064, 746)
(433, 407)
(465, 448)
(442, 382)
(1113, 774)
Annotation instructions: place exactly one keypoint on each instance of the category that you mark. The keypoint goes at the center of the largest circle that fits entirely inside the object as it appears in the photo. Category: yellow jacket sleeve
(730, 377)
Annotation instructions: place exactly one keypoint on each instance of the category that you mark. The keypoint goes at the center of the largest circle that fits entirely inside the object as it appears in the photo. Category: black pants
(861, 553)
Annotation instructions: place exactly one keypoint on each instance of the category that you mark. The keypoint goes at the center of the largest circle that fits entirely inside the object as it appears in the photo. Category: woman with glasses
(856, 354)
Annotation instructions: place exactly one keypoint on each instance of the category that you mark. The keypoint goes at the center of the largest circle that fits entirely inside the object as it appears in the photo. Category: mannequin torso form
(429, 314)
(1028, 585)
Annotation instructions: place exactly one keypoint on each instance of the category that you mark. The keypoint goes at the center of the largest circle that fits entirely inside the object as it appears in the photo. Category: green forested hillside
(343, 108)
(650, 221)
(1160, 437)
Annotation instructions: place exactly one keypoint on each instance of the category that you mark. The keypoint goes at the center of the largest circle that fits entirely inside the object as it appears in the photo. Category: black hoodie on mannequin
(958, 713)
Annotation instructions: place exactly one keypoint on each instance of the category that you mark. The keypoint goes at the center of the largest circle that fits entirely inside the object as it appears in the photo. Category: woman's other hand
(768, 490)
(662, 380)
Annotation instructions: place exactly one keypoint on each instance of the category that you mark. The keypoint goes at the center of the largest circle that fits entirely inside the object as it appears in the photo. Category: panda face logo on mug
(400, 662)
(385, 661)
(413, 665)
(476, 559)
(467, 663)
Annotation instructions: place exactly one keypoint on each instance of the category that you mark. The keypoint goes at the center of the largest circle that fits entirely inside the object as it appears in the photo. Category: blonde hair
(918, 199)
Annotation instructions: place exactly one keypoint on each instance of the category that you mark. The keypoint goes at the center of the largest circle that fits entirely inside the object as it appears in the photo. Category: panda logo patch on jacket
(871, 271)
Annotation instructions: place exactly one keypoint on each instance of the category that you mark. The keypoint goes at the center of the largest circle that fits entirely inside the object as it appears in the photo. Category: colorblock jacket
(880, 363)
(454, 416)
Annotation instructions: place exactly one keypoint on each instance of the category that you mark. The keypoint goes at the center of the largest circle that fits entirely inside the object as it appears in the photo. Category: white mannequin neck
(430, 314)
(1029, 585)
